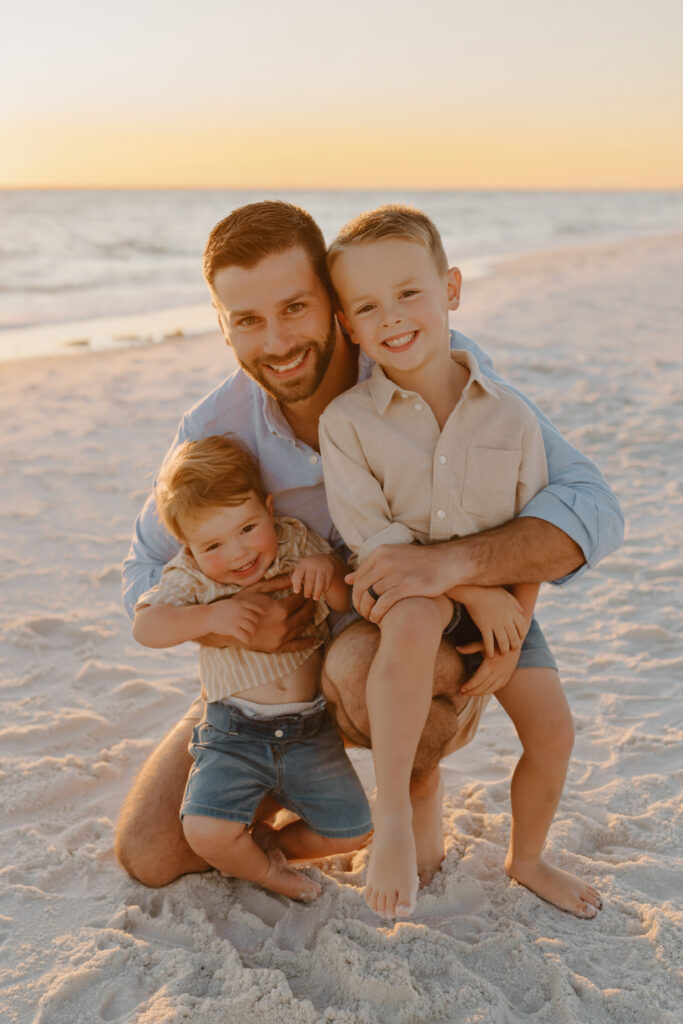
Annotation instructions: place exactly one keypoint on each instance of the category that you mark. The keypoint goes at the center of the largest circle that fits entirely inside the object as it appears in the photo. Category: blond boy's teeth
(284, 367)
(398, 342)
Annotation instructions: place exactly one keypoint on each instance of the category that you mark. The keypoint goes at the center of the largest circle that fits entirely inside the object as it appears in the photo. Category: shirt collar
(383, 390)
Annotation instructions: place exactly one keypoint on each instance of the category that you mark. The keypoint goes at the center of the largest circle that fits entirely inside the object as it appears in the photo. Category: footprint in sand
(56, 632)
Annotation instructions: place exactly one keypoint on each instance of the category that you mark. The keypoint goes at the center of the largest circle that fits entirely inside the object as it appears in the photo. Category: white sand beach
(593, 335)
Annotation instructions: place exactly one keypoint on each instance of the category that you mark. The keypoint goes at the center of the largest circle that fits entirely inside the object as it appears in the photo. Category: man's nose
(277, 341)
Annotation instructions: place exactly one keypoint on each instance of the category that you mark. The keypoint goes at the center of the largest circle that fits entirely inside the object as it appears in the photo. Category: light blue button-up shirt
(577, 498)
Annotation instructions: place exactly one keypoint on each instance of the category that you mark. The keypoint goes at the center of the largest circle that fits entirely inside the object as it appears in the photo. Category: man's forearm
(525, 550)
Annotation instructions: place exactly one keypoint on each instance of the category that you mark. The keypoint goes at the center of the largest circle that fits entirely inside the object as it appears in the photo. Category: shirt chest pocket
(490, 483)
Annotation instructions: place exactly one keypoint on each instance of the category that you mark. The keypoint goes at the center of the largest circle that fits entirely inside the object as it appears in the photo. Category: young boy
(265, 729)
(425, 450)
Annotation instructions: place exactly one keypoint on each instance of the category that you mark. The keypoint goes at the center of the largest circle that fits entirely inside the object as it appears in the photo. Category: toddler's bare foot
(280, 878)
(391, 882)
(563, 889)
(427, 801)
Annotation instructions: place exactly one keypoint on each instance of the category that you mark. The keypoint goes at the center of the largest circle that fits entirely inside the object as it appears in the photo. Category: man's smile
(284, 369)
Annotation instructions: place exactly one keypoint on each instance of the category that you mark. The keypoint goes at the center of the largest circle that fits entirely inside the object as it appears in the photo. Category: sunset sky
(359, 94)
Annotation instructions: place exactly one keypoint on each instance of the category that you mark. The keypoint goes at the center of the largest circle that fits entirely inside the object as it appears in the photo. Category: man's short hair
(213, 472)
(391, 221)
(256, 230)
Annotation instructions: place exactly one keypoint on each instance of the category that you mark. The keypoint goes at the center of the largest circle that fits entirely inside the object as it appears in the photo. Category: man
(265, 266)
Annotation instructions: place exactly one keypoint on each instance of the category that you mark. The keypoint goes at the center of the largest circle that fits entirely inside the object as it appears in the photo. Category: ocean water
(85, 270)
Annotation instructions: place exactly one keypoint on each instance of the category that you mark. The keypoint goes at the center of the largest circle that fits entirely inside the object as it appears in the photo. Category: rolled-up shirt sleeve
(577, 498)
(355, 499)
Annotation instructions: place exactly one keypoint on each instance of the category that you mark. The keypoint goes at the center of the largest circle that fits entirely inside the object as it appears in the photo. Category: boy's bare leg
(228, 846)
(344, 682)
(300, 843)
(535, 701)
(398, 697)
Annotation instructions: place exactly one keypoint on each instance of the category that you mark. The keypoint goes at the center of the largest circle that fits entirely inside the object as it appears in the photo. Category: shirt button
(441, 514)
(279, 733)
(418, 407)
(313, 458)
(442, 459)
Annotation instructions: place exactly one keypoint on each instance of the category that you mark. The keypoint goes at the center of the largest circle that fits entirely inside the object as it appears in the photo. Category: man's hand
(238, 619)
(281, 623)
(525, 550)
(493, 673)
(397, 571)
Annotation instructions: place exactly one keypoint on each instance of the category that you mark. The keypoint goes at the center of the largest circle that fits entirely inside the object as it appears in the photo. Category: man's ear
(346, 326)
(454, 286)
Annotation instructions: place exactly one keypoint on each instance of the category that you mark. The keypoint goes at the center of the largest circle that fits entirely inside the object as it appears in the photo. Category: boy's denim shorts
(299, 759)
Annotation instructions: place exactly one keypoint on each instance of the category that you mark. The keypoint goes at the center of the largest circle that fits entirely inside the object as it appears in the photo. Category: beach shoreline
(593, 335)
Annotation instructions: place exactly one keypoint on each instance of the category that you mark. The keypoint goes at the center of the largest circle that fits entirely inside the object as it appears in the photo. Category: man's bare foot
(391, 881)
(427, 800)
(280, 878)
(563, 889)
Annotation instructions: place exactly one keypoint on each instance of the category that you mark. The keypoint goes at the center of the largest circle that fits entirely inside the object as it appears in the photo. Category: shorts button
(279, 733)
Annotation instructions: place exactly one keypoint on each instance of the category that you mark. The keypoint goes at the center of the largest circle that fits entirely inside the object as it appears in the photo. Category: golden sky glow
(430, 94)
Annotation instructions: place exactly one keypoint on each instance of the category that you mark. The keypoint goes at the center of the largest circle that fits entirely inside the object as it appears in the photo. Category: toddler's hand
(313, 575)
(238, 619)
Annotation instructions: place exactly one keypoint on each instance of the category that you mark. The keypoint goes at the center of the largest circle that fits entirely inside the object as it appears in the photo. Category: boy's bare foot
(563, 889)
(391, 881)
(280, 878)
(427, 801)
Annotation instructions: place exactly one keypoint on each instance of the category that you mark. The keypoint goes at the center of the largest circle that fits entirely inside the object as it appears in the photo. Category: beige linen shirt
(224, 671)
(393, 477)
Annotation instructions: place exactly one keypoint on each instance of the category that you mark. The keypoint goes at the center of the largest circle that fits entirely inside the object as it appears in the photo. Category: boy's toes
(585, 909)
(406, 903)
(370, 897)
(386, 906)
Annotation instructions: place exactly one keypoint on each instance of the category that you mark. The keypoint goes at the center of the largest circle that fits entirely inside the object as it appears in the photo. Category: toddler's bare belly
(302, 684)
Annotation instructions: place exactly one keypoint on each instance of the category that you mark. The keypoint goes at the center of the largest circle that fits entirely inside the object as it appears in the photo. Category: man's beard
(299, 388)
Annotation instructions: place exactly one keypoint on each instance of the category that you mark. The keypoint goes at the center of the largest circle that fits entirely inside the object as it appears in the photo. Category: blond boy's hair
(391, 221)
(214, 472)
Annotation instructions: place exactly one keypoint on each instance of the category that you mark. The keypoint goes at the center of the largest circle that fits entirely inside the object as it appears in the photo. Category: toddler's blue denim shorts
(298, 758)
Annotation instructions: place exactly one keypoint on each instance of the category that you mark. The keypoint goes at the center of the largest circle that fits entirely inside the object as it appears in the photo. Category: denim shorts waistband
(280, 728)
